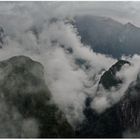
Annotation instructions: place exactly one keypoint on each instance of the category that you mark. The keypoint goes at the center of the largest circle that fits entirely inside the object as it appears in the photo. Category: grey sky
(122, 11)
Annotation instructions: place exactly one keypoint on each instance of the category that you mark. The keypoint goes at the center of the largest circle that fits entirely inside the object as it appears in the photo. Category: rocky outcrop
(109, 79)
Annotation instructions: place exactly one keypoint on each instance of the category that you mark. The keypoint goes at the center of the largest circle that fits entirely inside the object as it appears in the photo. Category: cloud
(66, 80)
(47, 37)
(12, 124)
(69, 83)
(128, 74)
(100, 104)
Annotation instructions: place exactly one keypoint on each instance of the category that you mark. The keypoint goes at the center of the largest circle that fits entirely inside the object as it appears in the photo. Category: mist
(44, 33)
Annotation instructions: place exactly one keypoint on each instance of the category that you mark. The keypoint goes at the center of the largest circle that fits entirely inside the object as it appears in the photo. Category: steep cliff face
(23, 88)
(129, 107)
(108, 79)
(106, 124)
(121, 117)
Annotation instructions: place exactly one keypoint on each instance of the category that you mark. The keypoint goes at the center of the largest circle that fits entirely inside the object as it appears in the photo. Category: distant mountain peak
(108, 36)
(130, 25)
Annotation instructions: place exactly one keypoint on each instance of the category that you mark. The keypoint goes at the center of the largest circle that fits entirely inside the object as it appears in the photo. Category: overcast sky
(122, 11)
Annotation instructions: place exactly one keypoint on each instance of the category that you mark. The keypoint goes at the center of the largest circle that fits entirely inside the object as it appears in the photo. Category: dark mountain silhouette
(114, 121)
(108, 36)
(22, 86)
(108, 79)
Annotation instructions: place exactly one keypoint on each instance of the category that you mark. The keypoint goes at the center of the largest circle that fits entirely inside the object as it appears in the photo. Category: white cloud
(69, 84)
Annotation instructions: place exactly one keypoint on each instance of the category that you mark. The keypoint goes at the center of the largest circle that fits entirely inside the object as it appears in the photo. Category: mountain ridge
(107, 36)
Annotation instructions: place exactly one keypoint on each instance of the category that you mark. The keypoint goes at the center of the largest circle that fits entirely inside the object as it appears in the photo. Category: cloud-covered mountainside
(108, 36)
(56, 79)
(26, 109)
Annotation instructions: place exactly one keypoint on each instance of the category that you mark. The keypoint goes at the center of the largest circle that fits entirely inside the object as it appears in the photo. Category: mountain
(23, 89)
(108, 79)
(129, 107)
(108, 36)
(26, 106)
(119, 118)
